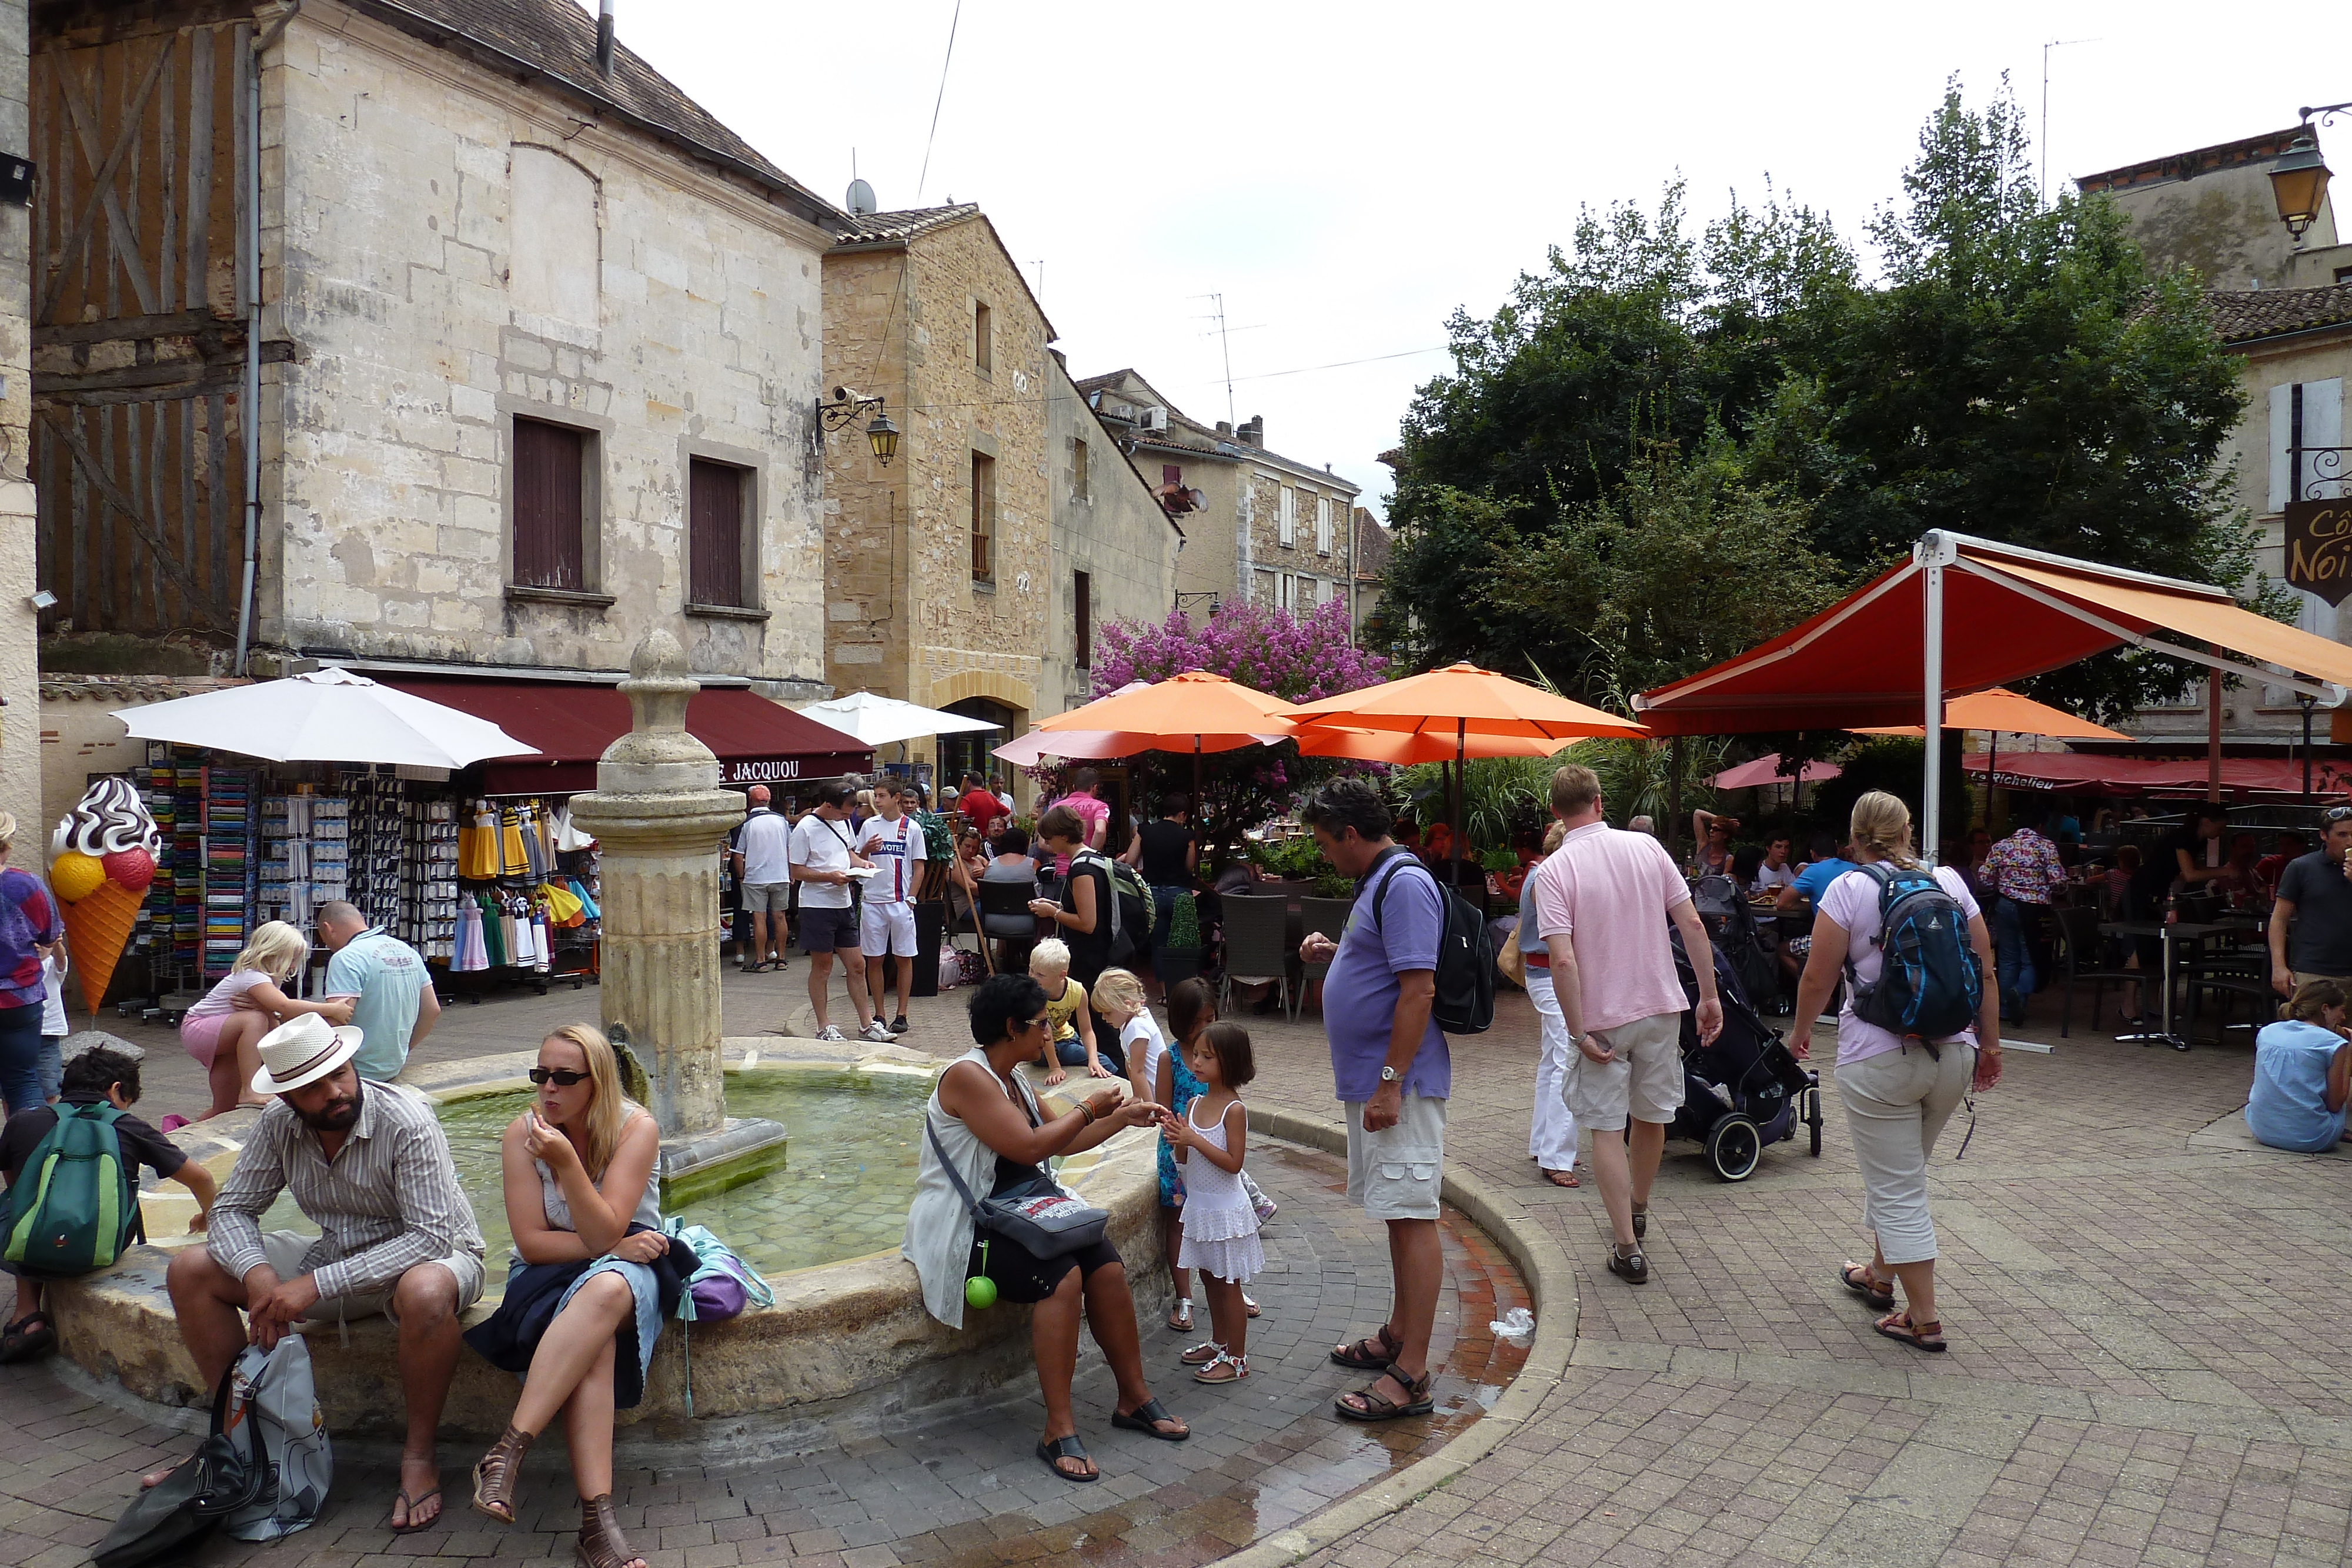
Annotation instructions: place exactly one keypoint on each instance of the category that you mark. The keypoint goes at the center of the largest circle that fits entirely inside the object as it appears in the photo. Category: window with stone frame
(984, 518)
(984, 339)
(550, 465)
(720, 565)
(1322, 525)
(1078, 476)
(1287, 527)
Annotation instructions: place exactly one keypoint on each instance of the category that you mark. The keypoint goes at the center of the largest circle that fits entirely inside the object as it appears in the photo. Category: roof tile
(2246, 315)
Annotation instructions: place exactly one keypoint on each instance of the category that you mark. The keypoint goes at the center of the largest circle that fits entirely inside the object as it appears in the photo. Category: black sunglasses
(562, 1077)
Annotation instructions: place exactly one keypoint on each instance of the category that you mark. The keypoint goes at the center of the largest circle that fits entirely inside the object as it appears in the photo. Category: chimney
(1224, 428)
(1253, 431)
(604, 37)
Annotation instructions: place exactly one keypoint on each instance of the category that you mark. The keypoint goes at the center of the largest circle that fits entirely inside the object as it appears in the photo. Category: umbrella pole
(1200, 818)
(1461, 787)
(1992, 764)
(2213, 736)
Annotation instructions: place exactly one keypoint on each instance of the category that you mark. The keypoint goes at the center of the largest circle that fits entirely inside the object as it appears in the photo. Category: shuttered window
(1288, 526)
(549, 520)
(984, 518)
(714, 531)
(1323, 525)
(1086, 609)
(1079, 481)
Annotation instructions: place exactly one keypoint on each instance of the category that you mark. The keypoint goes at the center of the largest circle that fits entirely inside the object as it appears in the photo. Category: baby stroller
(1767, 1089)
(1735, 933)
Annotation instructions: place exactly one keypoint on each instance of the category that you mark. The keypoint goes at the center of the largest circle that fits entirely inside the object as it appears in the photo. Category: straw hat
(302, 1050)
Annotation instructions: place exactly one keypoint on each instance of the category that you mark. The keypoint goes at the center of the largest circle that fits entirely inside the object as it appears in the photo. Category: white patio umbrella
(326, 715)
(879, 720)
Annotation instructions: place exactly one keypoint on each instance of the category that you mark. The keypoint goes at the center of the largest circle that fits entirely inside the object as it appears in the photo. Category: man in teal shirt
(390, 991)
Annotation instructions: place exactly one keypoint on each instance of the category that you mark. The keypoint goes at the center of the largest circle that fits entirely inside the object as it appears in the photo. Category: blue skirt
(538, 1292)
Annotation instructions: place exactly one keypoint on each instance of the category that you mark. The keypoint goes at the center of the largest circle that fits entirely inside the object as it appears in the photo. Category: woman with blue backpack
(1919, 1027)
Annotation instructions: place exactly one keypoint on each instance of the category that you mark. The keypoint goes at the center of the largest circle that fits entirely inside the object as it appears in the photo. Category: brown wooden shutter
(983, 517)
(1086, 604)
(548, 521)
(715, 533)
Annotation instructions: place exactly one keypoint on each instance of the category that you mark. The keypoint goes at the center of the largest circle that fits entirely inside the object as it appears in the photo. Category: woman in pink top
(1092, 813)
(222, 1029)
(1897, 1098)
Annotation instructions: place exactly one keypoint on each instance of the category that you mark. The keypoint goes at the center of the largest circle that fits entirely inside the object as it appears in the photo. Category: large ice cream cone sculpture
(104, 856)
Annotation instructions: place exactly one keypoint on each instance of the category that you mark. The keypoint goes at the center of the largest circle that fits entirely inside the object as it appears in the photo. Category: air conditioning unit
(1153, 419)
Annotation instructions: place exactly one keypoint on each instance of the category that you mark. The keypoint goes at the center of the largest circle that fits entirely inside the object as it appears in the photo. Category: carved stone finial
(658, 688)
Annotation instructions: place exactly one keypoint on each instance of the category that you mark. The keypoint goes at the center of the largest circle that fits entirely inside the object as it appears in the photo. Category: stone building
(2283, 303)
(969, 573)
(1268, 529)
(532, 339)
(1372, 545)
(20, 722)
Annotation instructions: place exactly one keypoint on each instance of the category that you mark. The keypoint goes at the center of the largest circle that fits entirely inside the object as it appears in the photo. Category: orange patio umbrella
(1404, 747)
(2004, 712)
(1455, 703)
(1205, 711)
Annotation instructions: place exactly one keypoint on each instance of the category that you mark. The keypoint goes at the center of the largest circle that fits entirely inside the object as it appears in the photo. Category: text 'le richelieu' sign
(2319, 547)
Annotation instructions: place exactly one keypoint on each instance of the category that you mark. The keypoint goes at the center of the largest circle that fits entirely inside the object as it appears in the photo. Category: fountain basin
(847, 1349)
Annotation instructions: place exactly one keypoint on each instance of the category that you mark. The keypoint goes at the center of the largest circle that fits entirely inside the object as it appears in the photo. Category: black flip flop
(1067, 1447)
(1141, 1419)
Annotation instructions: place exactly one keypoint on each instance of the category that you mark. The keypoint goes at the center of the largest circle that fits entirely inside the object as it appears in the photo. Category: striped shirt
(388, 1202)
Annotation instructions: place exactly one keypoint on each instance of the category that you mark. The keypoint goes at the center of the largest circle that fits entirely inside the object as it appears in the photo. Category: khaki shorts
(1397, 1174)
(1645, 1082)
(284, 1250)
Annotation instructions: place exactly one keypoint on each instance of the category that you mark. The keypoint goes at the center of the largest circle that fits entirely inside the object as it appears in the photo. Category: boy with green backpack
(73, 1203)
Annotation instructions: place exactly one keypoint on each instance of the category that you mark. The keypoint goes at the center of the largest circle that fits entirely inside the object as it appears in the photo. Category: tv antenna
(2052, 44)
(1225, 346)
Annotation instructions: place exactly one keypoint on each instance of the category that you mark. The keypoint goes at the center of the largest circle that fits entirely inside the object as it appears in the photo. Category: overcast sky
(1346, 175)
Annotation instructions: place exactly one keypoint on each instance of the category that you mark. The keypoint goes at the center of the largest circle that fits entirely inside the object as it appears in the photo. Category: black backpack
(1464, 999)
(1929, 981)
(1124, 902)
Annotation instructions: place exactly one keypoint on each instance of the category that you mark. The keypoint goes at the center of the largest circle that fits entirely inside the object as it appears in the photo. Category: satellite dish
(861, 198)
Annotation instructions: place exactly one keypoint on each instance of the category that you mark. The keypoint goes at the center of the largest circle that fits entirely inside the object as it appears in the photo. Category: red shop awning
(757, 741)
(2088, 773)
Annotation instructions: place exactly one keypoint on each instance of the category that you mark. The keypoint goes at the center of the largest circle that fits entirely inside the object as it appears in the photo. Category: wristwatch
(1389, 1074)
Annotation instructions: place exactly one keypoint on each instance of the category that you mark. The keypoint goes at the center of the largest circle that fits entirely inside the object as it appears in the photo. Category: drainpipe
(253, 332)
(604, 37)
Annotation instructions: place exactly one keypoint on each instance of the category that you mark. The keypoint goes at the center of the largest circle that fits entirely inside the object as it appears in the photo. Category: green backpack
(74, 1207)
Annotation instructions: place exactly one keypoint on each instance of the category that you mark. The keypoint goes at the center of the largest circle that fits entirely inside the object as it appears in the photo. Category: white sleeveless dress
(1219, 1224)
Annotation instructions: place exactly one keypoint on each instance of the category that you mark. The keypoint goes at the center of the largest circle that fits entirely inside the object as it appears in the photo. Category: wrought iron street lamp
(881, 435)
(2299, 178)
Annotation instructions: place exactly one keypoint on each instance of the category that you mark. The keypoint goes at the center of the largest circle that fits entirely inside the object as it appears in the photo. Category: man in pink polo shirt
(1602, 900)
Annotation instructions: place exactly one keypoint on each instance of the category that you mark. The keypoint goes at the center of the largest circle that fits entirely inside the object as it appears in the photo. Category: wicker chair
(1330, 916)
(1257, 946)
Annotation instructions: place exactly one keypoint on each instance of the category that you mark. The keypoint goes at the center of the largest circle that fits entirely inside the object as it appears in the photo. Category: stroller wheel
(1733, 1147)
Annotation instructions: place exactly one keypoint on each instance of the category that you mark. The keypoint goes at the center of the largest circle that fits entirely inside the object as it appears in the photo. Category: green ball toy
(979, 1291)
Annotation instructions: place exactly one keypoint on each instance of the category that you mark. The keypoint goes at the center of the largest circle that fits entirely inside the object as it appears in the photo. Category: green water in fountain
(843, 1193)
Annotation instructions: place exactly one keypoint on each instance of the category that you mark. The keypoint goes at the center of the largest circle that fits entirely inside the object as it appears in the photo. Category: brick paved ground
(2149, 1363)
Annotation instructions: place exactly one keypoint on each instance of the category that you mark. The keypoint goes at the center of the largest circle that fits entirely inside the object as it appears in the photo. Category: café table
(2171, 934)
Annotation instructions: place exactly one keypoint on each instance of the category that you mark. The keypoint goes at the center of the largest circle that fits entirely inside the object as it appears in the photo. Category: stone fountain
(658, 817)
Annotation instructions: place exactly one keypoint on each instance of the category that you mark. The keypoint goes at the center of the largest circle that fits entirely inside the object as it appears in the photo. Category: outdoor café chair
(1255, 950)
(1330, 916)
(2078, 930)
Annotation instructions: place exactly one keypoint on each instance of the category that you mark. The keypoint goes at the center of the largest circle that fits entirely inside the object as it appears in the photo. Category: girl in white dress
(1219, 1224)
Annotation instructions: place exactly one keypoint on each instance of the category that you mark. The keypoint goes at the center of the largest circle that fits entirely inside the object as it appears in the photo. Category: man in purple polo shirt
(1392, 1072)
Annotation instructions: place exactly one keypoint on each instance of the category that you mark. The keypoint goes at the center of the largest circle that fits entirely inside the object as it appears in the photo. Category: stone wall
(448, 251)
(1112, 530)
(1323, 574)
(905, 616)
(20, 724)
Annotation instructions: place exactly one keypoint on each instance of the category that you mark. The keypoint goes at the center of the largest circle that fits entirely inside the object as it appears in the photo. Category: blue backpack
(1929, 982)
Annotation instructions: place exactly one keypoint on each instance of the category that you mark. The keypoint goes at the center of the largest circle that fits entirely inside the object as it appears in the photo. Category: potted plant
(1179, 960)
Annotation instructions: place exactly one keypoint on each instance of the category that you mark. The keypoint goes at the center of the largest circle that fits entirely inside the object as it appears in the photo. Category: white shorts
(1397, 1174)
(286, 1250)
(1645, 1082)
(887, 930)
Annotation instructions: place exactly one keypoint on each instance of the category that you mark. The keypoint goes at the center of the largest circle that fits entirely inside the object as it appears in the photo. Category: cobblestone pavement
(2149, 1335)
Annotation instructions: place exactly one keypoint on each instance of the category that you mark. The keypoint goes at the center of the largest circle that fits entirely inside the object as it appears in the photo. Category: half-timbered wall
(138, 314)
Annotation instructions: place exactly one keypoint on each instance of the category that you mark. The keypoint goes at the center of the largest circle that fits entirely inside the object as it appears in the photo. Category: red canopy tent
(1963, 614)
(2088, 773)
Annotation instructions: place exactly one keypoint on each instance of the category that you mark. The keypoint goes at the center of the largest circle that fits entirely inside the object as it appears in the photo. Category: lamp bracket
(2326, 111)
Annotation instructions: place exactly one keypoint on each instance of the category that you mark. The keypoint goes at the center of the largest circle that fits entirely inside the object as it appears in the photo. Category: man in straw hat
(367, 1165)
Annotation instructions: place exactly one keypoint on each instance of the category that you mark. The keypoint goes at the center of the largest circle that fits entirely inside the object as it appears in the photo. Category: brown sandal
(1365, 1359)
(1928, 1337)
(602, 1545)
(1381, 1408)
(496, 1472)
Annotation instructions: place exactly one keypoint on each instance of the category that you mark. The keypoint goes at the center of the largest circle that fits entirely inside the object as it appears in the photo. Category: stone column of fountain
(658, 817)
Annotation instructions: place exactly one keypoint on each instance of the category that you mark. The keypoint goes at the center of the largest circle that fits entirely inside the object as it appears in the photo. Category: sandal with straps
(601, 1543)
(1201, 1354)
(1928, 1337)
(1379, 1406)
(1863, 1282)
(1363, 1360)
(1068, 1448)
(496, 1473)
(1224, 1367)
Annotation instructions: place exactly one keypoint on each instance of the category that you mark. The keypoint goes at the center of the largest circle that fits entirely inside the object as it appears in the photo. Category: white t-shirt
(53, 1000)
(899, 848)
(1853, 902)
(765, 844)
(1142, 1033)
(820, 845)
(1769, 878)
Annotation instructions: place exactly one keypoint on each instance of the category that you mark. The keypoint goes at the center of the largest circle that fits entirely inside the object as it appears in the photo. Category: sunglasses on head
(562, 1077)
(2335, 813)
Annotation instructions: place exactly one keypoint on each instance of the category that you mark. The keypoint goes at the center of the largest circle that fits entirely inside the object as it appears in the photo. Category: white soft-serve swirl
(110, 819)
